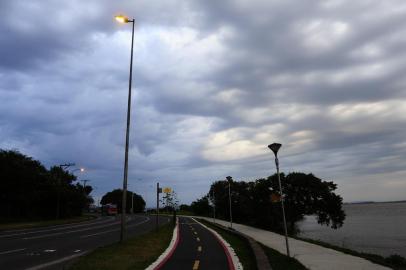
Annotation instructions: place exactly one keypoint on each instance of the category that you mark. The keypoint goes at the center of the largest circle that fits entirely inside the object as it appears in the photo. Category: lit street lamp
(124, 19)
(229, 180)
(79, 169)
(275, 147)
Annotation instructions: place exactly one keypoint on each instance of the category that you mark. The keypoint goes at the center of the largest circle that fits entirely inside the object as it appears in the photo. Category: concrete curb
(169, 250)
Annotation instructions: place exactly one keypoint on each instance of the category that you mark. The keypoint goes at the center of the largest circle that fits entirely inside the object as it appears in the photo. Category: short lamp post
(229, 180)
(125, 19)
(132, 203)
(275, 148)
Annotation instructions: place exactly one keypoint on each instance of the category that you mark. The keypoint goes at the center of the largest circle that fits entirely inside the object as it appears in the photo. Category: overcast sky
(214, 83)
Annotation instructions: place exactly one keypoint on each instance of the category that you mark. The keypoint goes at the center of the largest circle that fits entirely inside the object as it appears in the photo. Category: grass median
(135, 253)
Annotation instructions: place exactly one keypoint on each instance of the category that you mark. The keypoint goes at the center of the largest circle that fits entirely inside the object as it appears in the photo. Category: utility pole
(214, 207)
(84, 183)
(158, 190)
(230, 179)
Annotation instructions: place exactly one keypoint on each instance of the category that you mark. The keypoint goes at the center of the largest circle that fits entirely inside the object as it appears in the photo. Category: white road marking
(104, 232)
(66, 232)
(37, 267)
(90, 221)
(12, 251)
(196, 265)
(33, 254)
(49, 250)
(199, 248)
(76, 251)
(55, 229)
(115, 230)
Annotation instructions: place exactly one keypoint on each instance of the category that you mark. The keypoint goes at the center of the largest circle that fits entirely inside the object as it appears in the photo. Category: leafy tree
(170, 201)
(29, 191)
(304, 194)
(185, 208)
(116, 197)
(202, 206)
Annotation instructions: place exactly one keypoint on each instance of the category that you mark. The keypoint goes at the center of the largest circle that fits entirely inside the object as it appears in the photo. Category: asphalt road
(54, 246)
(198, 248)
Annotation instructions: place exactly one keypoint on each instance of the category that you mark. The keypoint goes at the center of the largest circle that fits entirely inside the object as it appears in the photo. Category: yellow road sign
(167, 190)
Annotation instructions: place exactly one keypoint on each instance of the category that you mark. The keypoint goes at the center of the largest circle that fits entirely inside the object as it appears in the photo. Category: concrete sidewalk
(312, 256)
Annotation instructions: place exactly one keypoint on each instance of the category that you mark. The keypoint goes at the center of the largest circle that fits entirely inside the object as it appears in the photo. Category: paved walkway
(312, 256)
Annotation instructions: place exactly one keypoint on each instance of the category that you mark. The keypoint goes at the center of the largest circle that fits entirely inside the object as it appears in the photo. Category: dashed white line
(54, 229)
(196, 265)
(103, 232)
(132, 225)
(12, 251)
(66, 232)
(56, 261)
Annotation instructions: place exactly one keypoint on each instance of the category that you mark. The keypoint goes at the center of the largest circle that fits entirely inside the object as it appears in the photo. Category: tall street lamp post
(275, 147)
(229, 180)
(125, 19)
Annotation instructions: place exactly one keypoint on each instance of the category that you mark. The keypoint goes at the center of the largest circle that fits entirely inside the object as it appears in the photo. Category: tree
(170, 201)
(185, 208)
(30, 191)
(116, 197)
(304, 194)
(202, 207)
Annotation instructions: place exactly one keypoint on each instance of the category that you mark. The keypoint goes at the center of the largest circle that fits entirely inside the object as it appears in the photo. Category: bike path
(198, 248)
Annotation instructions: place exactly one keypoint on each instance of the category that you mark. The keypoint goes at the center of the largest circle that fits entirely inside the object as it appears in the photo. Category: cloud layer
(214, 84)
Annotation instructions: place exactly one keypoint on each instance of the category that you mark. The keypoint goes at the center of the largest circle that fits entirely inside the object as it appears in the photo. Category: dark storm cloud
(214, 83)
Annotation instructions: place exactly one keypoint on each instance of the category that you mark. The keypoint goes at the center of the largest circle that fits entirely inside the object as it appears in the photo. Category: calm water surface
(378, 228)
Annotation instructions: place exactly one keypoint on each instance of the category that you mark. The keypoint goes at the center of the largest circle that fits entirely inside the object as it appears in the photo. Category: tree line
(116, 197)
(257, 203)
(28, 190)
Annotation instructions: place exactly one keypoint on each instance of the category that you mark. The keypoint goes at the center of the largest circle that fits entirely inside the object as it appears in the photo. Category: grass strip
(135, 253)
(43, 223)
(280, 261)
(395, 262)
(240, 245)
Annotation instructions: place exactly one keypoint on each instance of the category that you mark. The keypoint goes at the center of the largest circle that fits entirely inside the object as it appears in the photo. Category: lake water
(378, 228)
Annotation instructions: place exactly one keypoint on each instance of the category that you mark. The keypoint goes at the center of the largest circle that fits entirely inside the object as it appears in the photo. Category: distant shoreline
(371, 202)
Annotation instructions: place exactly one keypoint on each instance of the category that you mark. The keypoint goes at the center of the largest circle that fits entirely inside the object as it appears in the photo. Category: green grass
(395, 261)
(239, 244)
(135, 253)
(279, 261)
(24, 224)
